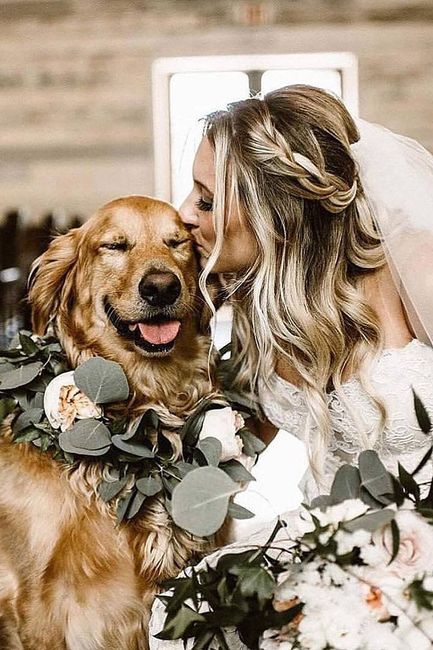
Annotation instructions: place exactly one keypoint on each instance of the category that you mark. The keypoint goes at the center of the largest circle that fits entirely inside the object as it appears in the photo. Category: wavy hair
(285, 161)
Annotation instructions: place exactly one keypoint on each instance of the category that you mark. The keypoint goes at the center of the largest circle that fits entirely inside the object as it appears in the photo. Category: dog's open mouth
(155, 335)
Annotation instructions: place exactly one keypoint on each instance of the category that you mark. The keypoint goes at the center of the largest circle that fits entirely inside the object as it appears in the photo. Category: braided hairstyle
(285, 161)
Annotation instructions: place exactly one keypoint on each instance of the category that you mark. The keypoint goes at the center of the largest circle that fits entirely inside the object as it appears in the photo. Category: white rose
(64, 402)
(416, 543)
(223, 424)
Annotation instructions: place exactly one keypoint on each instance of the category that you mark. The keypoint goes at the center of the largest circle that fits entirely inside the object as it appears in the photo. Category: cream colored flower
(223, 424)
(416, 543)
(64, 402)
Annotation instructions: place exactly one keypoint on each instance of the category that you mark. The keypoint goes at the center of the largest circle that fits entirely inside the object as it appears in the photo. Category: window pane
(192, 96)
(326, 79)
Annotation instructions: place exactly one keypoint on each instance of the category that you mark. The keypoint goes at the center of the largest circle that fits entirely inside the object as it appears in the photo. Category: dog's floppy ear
(51, 279)
(218, 295)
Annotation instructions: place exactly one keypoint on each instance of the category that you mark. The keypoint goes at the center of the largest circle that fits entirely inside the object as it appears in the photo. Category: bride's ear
(218, 295)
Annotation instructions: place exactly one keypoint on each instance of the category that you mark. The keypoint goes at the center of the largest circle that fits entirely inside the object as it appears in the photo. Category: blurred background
(99, 98)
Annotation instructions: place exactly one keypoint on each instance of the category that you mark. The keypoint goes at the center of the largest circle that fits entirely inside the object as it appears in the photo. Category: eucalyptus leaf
(237, 471)
(200, 501)
(5, 367)
(102, 381)
(149, 485)
(29, 435)
(211, 449)
(87, 437)
(107, 490)
(346, 484)
(239, 512)
(131, 447)
(371, 521)
(28, 346)
(123, 506)
(21, 376)
(374, 476)
(32, 416)
(136, 502)
(322, 502)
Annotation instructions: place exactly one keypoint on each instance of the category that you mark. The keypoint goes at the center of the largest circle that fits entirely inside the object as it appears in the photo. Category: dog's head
(124, 285)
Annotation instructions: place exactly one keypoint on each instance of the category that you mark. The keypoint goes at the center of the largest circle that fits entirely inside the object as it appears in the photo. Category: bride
(319, 227)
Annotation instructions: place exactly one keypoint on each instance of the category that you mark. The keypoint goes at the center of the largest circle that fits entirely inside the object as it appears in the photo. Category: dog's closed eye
(115, 246)
(175, 243)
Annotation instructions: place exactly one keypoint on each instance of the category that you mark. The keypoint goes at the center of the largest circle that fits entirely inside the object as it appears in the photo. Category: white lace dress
(395, 375)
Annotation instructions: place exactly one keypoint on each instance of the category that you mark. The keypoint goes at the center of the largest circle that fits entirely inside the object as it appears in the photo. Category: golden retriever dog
(123, 286)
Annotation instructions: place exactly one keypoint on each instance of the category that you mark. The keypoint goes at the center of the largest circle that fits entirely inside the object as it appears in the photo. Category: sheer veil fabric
(397, 175)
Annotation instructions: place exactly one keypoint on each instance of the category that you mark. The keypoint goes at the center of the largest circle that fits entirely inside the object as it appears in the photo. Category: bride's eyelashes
(204, 206)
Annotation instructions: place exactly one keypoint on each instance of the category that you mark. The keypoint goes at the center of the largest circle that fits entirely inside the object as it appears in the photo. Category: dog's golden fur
(69, 577)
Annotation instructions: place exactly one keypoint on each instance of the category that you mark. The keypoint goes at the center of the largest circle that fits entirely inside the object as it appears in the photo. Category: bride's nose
(188, 212)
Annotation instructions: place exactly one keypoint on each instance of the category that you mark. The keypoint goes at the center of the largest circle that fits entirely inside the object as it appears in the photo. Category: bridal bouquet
(353, 571)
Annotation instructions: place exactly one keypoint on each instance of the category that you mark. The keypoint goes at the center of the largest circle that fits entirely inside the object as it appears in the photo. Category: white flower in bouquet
(415, 637)
(64, 402)
(416, 544)
(341, 512)
(223, 425)
(347, 541)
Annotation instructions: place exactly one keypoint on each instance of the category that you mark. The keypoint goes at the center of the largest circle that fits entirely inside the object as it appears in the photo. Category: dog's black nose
(159, 288)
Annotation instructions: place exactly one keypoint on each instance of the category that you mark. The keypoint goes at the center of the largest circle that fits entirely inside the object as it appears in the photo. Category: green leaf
(107, 490)
(87, 437)
(395, 540)
(424, 460)
(252, 444)
(28, 346)
(346, 484)
(200, 501)
(132, 447)
(123, 506)
(149, 485)
(32, 416)
(177, 626)
(422, 416)
(29, 435)
(211, 449)
(239, 512)
(408, 482)
(134, 507)
(370, 522)
(7, 405)
(374, 476)
(102, 381)
(5, 367)
(323, 501)
(20, 376)
(237, 471)
(256, 581)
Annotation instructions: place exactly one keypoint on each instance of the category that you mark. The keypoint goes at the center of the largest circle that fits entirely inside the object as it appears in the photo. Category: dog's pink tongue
(159, 333)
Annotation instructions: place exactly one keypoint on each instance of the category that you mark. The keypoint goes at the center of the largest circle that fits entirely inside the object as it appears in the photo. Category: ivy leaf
(102, 381)
(20, 376)
(422, 416)
(239, 512)
(200, 502)
(149, 485)
(211, 449)
(87, 437)
(374, 476)
(408, 482)
(179, 624)
(7, 405)
(252, 444)
(256, 581)
(346, 484)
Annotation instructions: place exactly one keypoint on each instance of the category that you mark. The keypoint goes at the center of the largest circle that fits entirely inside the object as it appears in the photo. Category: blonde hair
(285, 161)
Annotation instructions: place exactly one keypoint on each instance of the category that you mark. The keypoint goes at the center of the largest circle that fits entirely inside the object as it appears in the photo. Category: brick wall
(75, 95)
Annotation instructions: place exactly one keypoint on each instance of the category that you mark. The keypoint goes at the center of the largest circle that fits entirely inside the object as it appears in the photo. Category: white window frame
(163, 69)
